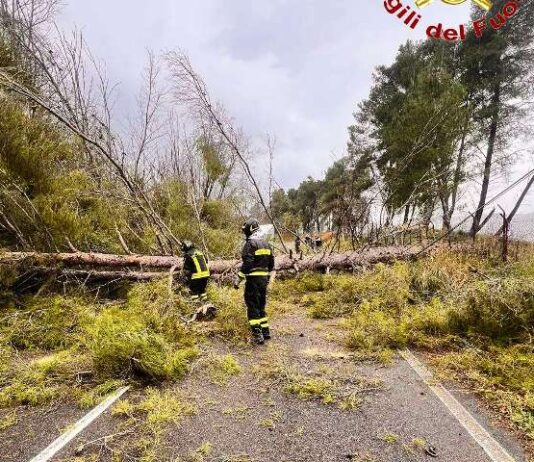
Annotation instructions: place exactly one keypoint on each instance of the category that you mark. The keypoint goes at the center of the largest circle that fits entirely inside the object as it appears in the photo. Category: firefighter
(258, 262)
(196, 271)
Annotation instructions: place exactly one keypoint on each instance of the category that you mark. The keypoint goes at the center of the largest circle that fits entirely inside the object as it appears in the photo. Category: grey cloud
(293, 68)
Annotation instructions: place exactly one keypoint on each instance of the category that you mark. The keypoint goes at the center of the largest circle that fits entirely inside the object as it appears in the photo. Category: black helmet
(250, 226)
(187, 245)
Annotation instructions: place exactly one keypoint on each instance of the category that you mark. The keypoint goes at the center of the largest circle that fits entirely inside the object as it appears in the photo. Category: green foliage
(308, 388)
(225, 242)
(156, 410)
(46, 341)
(498, 308)
(8, 420)
(24, 393)
(164, 406)
(320, 384)
(344, 186)
(372, 329)
(501, 374)
(416, 117)
(329, 296)
(339, 196)
(443, 304)
(54, 192)
(37, 381)
(307, 203)
(304, 386)
(95, 395)
(31, 148)
(294, 289)
(119, 342)
(222, 368)
(498, 60)
(385, 286)
(220, 221)
(216, 170)
(421, 303)
(51, 191)
(45, 323)
(145, 338)
(160, 310)
(389, 437)
(231, 322)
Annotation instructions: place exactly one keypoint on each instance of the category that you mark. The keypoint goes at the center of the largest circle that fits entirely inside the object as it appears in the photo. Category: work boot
(257, 337)
(266, 333)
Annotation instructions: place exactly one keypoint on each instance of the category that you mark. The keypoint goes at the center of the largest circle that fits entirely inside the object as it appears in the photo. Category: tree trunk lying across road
(100, 275)
(136, 267)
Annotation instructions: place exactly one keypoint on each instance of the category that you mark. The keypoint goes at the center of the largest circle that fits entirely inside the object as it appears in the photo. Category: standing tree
(416, 120)
(343, 194)
(497, 72)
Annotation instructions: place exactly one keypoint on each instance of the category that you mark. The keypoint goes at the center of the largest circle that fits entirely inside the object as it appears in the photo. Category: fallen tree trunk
(96, 275)
(348, 261)
(91, 259)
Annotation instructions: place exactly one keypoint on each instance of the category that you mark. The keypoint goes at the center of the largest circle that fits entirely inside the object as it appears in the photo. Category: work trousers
(256, 299)
(198, 289)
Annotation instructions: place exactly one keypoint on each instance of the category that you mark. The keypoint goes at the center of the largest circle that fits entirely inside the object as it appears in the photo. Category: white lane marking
(78, 427)
(492, 448)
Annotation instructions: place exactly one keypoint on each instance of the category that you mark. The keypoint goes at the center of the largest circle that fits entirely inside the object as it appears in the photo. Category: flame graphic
(485, 4)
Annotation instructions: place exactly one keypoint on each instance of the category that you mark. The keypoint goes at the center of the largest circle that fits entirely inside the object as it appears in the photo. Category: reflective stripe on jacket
(196, 265)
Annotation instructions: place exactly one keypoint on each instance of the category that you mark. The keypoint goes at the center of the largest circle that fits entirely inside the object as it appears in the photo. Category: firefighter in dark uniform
(258, 262)
(196, 271)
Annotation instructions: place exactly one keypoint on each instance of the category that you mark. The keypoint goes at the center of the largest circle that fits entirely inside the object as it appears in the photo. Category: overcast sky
(293, 68)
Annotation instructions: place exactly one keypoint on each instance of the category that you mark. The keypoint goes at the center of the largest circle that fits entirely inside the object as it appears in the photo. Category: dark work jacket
(258, 257)
(196, 265)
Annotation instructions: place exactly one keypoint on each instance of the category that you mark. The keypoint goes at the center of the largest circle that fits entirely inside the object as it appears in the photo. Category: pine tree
(496, 72)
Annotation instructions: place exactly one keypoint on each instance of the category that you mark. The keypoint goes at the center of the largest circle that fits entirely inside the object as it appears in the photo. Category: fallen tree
(146, 267)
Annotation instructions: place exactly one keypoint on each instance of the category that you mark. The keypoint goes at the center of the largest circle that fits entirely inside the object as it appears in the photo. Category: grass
(123, 343)
(9, 420)
(145, 422)
(47, 323)
(267, 423)
(231, 322)
(350, 402)
(319, 383)
(221, 368)
(503, 375)
(163, 406)
(45, 341)
(294, 289)
(270, 422)
(344, 293)
(389, 437)
(38, 380)
(237, 412)
(414, 446)
(311, 388)
(362, 457)
(94, 396)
